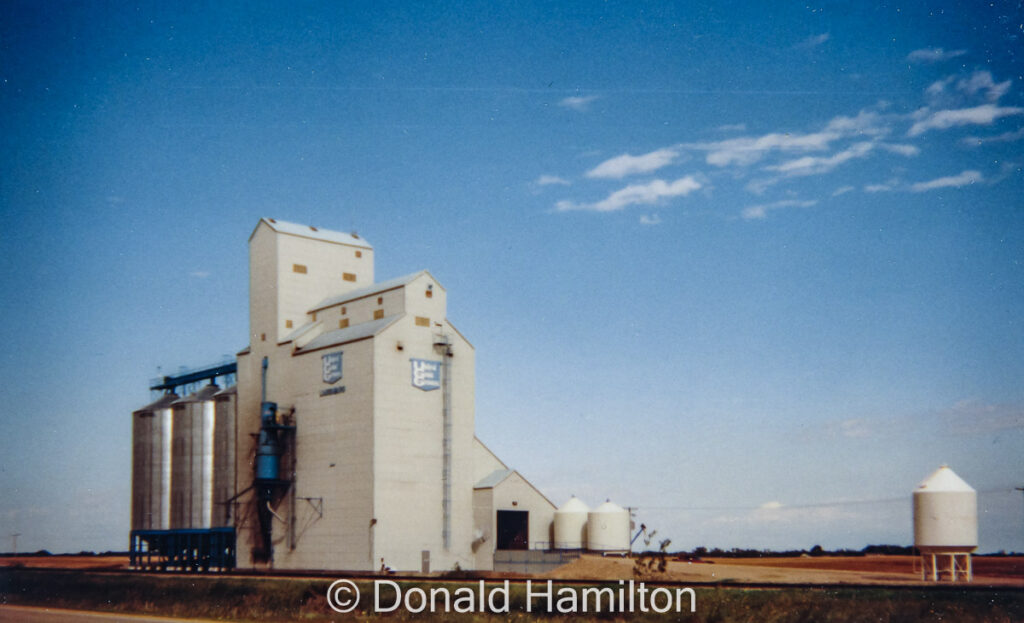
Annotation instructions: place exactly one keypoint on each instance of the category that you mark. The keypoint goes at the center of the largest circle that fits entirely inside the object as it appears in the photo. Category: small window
(348, 276)
(430, 294)
(343, 323)
(314, 316)
(380, 300)
(263, 337)
(422, 322)
(342, 310)
(299, 268)
(287, 324)
(359, 254)
(378, 314)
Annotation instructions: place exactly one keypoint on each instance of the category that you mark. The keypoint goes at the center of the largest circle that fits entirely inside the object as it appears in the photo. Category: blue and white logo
(426, 375)
(332, 367)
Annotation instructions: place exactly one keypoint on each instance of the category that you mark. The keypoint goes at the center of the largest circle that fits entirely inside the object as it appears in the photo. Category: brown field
(82, 563)
(866, 570)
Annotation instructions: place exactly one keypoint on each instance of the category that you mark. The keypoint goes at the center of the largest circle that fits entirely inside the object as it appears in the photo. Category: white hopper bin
(571, 525)
(945, 523)
(608, 528)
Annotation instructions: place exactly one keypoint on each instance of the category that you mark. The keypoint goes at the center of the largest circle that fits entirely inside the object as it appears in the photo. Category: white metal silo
(192, 460)
(224, 455)
(945, 524)
(181, 465)
(571, 525)
(608, 528)
(151, 465)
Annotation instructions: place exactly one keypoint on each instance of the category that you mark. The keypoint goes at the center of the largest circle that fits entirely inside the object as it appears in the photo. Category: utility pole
(14, 542)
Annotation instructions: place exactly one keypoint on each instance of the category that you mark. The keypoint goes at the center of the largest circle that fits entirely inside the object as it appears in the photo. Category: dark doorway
(513, 530)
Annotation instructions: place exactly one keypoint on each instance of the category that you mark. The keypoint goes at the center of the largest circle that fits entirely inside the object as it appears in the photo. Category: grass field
(262, 599)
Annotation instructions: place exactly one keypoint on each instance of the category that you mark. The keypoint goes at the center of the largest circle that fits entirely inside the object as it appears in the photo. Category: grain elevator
(341, 438)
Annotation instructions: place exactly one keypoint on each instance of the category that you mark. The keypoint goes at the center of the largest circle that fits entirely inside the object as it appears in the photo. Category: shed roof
(372, 289)
(316, 233)
(493, 479)
(299, 332)
(360, 331)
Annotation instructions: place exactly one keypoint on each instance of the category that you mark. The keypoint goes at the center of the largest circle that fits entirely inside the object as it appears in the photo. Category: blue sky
(754, 269)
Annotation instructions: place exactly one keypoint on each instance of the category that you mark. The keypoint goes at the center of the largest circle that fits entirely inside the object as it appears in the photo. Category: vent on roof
(313, 228)
(271, 220)
(355, 235)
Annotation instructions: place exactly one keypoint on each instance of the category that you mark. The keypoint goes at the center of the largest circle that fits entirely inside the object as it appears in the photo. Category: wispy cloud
(1005, 137)
(814, 165)
(199, 274)
(966, 417)
(552, 180)
(978, 417)
(775, 512)
(933, 55)
(945, 119)
(957, 91)
(842, 190)
(865, 122)
(746, 150)
(733, 127)
(954, 181)
(749, 149)
(901, 149)
(578, 103)
(883, 187)
(982, 81)
(761, 211)
(621, 166)
(815, 41)
(635, 194)
(653, 219)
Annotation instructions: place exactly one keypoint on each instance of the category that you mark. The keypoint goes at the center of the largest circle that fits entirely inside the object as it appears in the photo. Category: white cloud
(933, 55)
(733, 127)
(954, 181)
(200, 274)
(635, 194)
(1005, 137)
(901, 149)
(552, 180)
(653, 219)
(944, 119)
(975, 417)
(815, 41)
(938, 87)
(761, 211)
(856, 428)
(621, 166)
(880, 188)
(815, 165)
(866, 122)
(775, 512)
(578, 103)
(842, 190)
(982, 81)
(747, 150)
